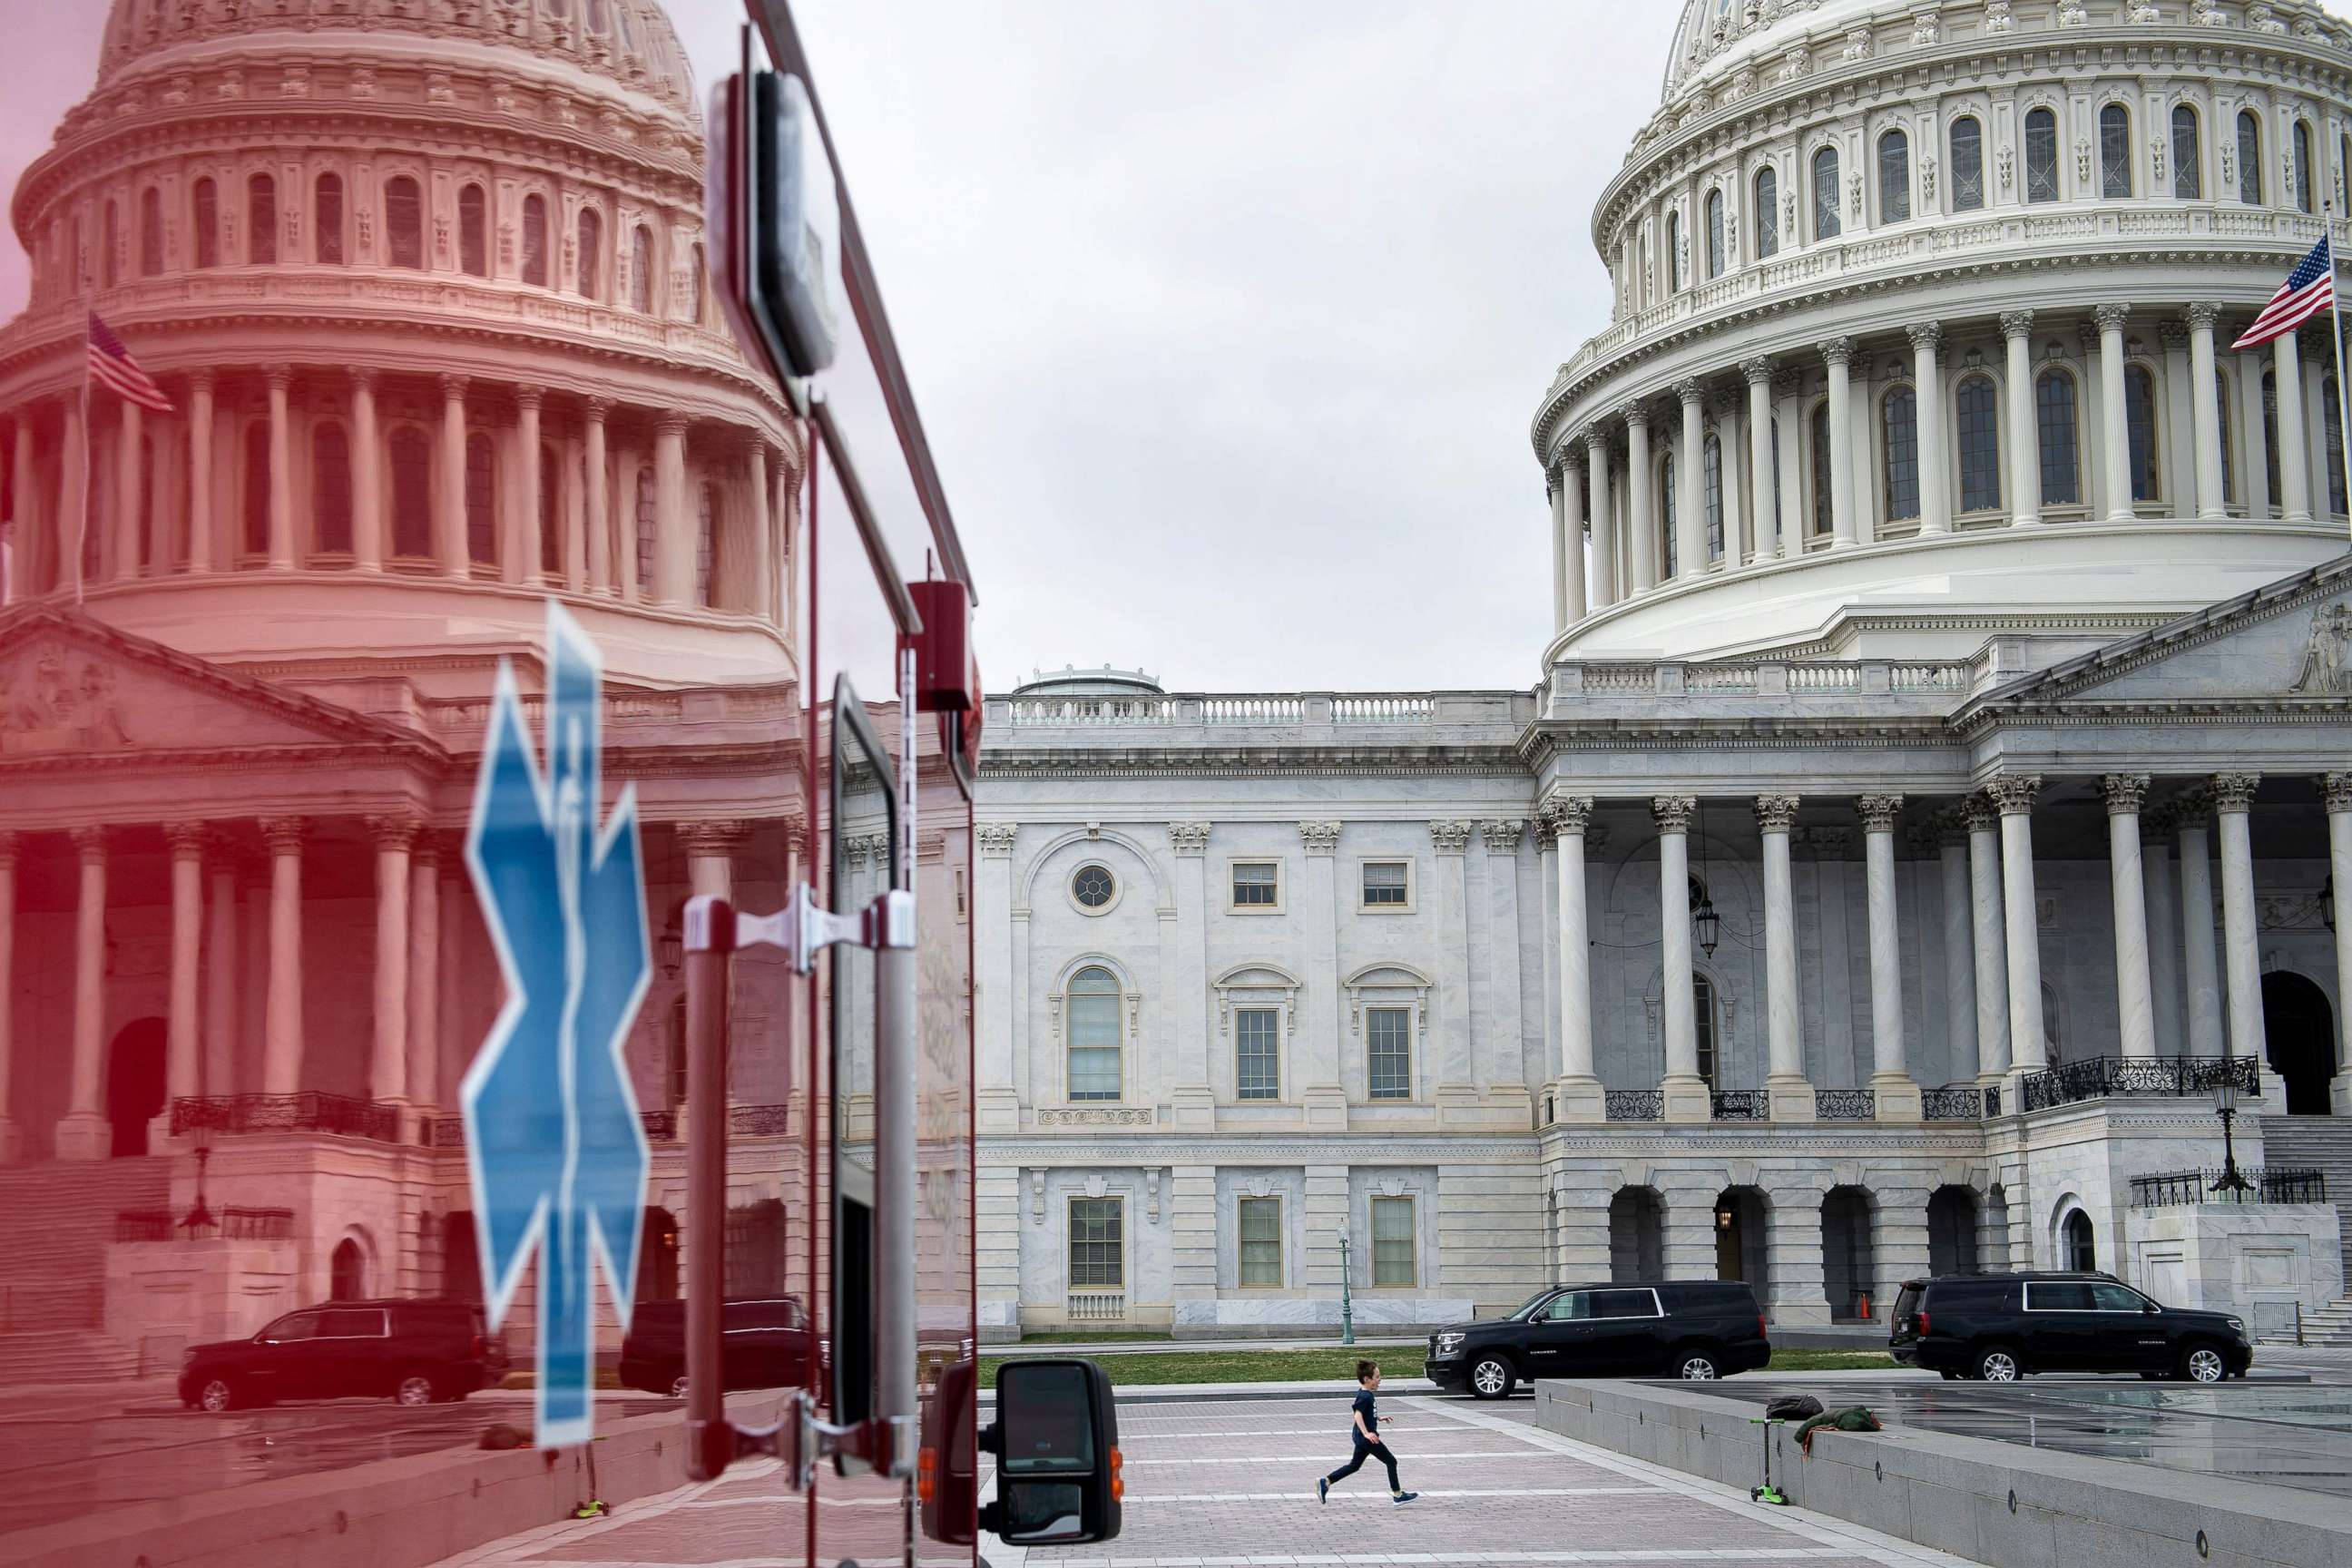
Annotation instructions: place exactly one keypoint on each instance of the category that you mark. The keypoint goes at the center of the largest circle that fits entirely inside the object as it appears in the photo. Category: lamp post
(2226, 1102)
(200, 1218)
(1347, 1301)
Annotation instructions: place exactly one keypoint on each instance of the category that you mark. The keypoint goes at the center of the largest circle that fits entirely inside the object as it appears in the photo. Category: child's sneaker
(1322, 1488)
(1404, 1497)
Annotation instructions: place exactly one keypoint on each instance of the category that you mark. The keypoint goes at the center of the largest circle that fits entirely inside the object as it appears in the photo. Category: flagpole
(2336, 332)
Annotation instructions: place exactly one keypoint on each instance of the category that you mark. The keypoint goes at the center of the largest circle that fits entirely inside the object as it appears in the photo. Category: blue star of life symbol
(553, 1143)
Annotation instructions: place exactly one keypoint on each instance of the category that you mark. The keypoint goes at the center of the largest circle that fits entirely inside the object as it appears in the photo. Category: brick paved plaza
(1232, 1485)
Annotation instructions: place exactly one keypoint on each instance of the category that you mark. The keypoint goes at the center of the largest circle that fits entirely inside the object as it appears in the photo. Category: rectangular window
(1258, 885)
(1395, 1257)
(1260, 1244)
(1097, 1243)
(1625, 1304)
(1257, 1053)
(1387, 885)
(2061, 473)
(1388, 1035)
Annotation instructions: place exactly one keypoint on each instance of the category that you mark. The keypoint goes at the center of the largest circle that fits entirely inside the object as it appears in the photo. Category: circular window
(1093, 888)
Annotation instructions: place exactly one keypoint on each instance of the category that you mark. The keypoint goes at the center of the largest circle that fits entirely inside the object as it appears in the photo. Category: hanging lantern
(1705, 925)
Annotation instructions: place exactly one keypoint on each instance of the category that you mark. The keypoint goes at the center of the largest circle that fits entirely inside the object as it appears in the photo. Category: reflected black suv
(1677, 1328)
(1999, 1327)
(418, 1352)
(763, 1343)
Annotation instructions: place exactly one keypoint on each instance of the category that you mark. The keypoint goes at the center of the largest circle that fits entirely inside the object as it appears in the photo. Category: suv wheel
(415, 1389)
(677, 1386)
(1492, 1377)
(2203, 1363)
(1999, 1363)
(1697, 1366)
(217, 1394)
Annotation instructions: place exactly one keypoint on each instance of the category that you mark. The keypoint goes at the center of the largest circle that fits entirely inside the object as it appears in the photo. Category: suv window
(2117, 1299)
(1624, 1304)
(351, 1323)
(1575, 1305)
(2057, 1296)
(293, 1326)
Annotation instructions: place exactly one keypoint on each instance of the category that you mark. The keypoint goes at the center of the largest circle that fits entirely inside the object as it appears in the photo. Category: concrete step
(81, 1356)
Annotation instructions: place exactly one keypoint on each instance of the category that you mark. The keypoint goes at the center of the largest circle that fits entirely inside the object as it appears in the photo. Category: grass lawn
(1138, 1369)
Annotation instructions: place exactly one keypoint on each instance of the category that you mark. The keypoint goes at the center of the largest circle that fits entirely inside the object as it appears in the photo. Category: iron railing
(1992, 1102)
(1845, 1104)
(235, 1115)
(142, 1224)
(2099, 1077)
(661, 1126)
(2183, 1189)
(1740, 1104)
(759, 1120)
(1634, 1105)
(1959, 1103)
(446, 1132)
(231, 1224)
(256, 1225)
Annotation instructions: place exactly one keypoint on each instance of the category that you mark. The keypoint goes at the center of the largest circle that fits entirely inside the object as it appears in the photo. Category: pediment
(73, 688)
(2290, 641)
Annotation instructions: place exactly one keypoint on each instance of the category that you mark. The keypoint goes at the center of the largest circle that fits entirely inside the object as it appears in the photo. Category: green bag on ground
(1852, 1419)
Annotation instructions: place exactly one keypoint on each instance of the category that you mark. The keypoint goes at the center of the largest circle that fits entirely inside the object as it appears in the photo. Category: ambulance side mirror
(1056, 1439)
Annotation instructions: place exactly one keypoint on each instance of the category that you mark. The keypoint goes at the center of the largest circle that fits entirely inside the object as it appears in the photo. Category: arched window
(2303, 181)
(1822, 518)
(1711, 475)
(2249, 158)
(2334, 419)
(411, 494)
(1666, 550)
(2062, 469)
(1094, 1033)
(641, 271)
(648, 534)
(591, 253)
(404, 222)
(2271, 437)
(2115, 152)
(473, 232)
(551, 511)
(706, 538)
(481, 511)
(326, 219)
(534, 241)
(701, 284)
(257, 489)
(2082, 1248)
(111, 264)
(1893, 177)
(1979, 431)
(150, 232)
(1967, 163)
(347, 1277)
(2188, 155)
(1900, 420)
(2041, 155)
(260, 219)
(1715, 234)
(1825, 194)
(1766, 220)
(2139, 419)
(331, 490)
(1673, 253)
(204, 205)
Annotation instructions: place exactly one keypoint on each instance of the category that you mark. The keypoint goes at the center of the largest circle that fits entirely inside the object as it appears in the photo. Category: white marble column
(2205, 401)
(674, 529)
(32, 528)
(1788, 1092)
(83, 1133)
(449, 496)
(182, 1053)
(2294, 462)
(1989, 939)
(1927, 386)
(367, 474)
(2317, 358)
(2024, 423)
(1725, 408)
(2027, 1043)
(759, 599)
(710, 848)
(220, 971)
(2233, 800)
(283, 555)
(73, 483)
(2135, 993)
(525, 554)
(998, 1103)
(1576, 1094)
(2336, 789)
(1686, 1097)
(425, 971)
(1453, 1053)
(1502, 1071)
(11, 1142)
(2114, 429)
(281, 1062)
(1960, 951)
(1193, 1098)
(1556, 487)
(2163, 906)
(2200, 954)
(387, 1059)
(2253, 471)
(1604, 522)
(1892, 1086)
(1640, 508)
(1796, 524)
(2176, 422)
(130, 437)
(1838, 354)
(602, 576)
(1690, 485)
(1763, 495)
(201, 544)
(1323, 1094)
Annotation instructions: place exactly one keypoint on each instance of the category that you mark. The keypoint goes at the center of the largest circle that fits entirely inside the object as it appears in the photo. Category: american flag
(110, 365)
(2308, 289)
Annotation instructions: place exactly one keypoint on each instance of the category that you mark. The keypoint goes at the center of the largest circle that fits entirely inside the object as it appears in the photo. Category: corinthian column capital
(2124, 792)
(1776, 813)
(2014, 793)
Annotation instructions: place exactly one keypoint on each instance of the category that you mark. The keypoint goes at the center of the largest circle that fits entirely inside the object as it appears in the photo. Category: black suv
(764, 1343)
(1999, 1327)
(1677, 1328)
(415, 1351)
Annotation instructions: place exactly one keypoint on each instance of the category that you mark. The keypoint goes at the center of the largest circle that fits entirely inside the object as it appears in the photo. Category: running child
(1365, 1425)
